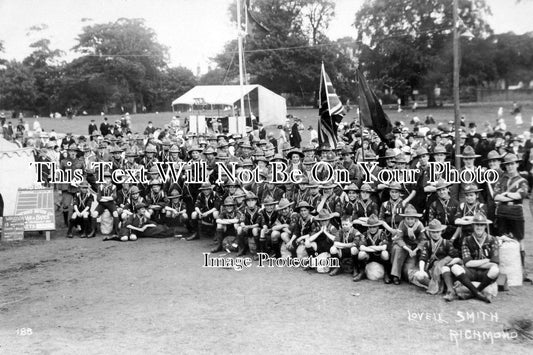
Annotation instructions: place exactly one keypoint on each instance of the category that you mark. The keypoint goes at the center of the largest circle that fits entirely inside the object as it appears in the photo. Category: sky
(194, 30)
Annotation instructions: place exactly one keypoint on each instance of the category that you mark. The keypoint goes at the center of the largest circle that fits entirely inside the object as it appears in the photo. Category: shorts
(102, 206)
(323, 243)
(346, 253)
(475, 274)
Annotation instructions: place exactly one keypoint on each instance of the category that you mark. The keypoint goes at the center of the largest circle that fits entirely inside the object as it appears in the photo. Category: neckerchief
(480, 245)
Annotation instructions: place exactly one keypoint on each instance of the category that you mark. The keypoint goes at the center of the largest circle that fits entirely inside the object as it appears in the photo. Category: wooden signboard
(37, 207)
(13, 228)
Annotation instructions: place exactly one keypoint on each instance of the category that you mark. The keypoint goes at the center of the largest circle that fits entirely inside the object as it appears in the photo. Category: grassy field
(473, 113)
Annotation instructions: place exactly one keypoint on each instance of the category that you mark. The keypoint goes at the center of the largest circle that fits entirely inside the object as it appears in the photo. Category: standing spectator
(262, 131)
(92, 127)
(105, 128)
(150, 129)
(8, 131)
(295, 138)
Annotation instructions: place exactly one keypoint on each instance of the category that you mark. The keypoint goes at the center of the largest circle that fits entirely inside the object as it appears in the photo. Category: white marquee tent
(16, 172)
(269, 107)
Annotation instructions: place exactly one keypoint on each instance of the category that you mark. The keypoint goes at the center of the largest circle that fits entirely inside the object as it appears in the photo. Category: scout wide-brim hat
(351, 187)
(269, 201)
(389, 153)
(420, 151)
(84, 184)
(493, 155)
(323, 215)
(410, 211)
(210, 150)
(303, 204)
(327, 186)
(439, 150)
(284, 203)
(402, 158)
(479, 218)
(194, 148)
(155, 182)
(372, 221)
(510, 158)
(471, 188)
(140, 205)
(441, 184)
(366, 188)
(206, 186)
(395, 186)
(295, 151)
(228, 201)
(250, 196)
(469, 153)
(134, 190)
(436, 226)
(174, 194)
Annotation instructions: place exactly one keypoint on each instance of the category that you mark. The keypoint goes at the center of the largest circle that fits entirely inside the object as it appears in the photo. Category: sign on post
(13, 228)
(38, 209)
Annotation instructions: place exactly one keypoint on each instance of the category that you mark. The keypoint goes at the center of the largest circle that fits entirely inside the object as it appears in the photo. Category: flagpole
(456, 102)
(360, 119)
(241, 75)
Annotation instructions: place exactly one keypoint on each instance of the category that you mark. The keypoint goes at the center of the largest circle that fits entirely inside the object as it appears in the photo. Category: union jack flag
(331, 112)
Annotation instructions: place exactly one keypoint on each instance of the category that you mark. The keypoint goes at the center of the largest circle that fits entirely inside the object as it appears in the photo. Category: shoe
(450, 296)
(335, 271)
(193, 237)
(70, 235)
(217, 249)
(480, 296)
(308, 268)
(83, 235)
(110, 237)
(255, 257)
(386, 279)
(124, 238)
(396, 280)
(359, 276)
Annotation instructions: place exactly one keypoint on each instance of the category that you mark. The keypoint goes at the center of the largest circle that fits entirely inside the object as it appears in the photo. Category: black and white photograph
(266, 176)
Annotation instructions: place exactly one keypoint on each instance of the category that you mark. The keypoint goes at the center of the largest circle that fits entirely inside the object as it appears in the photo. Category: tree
(407, 39)
(17, 87)
(174, 82)
(285, 53)
(128, 56)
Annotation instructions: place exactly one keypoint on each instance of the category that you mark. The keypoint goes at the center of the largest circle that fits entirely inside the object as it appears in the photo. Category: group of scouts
(427, 234)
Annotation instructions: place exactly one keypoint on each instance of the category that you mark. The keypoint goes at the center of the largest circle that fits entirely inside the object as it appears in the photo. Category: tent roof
(214, 94)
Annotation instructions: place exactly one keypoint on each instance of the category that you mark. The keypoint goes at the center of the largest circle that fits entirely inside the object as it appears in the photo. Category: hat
(401, 158)
(330, 157)
(479, 218)
(239, 193)
(389, 153)
(303, 204)
(309, 161)
(150, 149)
(174, 149)
(323, 215)
(116, 150)
(107, 173)
(134, 190)
(174, 194)
(73, 147)
(471, 188)
(84, 184)
(395, 186)
(439, 149)
(228, 201)
(194, 148)
(140, 205)
(370, 155)
(278, 157)
(493, 155)
(510, 158)
(469, 153)
(308, 148)
(372, 221)
(435, 226)
(366, 188)
(410, 211)
(206, 186)
(246, 145)
(421, 151)
(327, 186)
(247, 162)
(131, 153)
(269, 201)
(351, 187)
(250, 196)
(295, 151)
(284, 203)
(155, 182)
(210, 150)
(441, 184)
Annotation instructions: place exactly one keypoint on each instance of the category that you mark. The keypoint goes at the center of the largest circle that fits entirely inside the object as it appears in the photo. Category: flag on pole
(370, 110)
(331, 112)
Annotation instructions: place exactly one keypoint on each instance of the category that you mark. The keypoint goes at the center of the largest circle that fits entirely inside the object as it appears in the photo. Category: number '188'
(24, 331)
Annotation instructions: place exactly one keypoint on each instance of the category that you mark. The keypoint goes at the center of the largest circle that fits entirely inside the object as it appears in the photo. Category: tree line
(403, 47)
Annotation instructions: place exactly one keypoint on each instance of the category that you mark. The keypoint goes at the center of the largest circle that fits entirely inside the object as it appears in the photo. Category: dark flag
(370, 110)
(330, 111)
